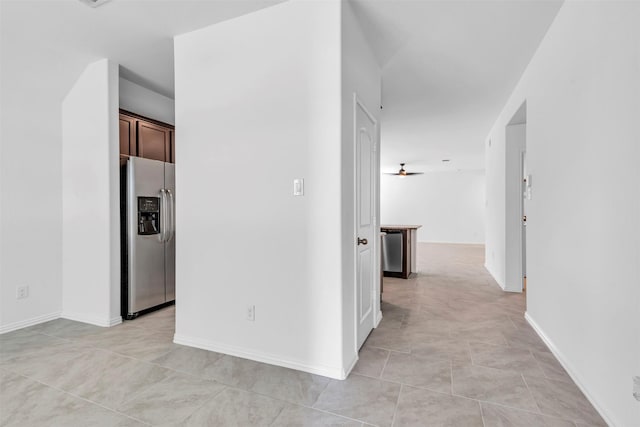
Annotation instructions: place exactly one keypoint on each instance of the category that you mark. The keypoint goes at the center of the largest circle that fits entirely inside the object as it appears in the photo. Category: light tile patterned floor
(452, 350)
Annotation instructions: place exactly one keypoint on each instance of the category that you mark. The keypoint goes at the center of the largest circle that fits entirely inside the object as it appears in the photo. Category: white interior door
(366, 228)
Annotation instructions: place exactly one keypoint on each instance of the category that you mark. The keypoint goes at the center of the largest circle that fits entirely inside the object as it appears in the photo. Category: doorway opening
(517, 187)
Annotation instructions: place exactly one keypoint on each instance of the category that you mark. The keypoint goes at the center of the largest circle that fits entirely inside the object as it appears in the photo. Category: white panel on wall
(448, 205)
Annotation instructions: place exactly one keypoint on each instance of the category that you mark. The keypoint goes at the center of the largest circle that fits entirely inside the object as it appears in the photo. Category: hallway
(463, 351)
(452, 349)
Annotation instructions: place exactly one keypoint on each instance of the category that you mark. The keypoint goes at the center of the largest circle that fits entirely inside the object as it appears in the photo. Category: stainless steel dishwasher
(392, 252)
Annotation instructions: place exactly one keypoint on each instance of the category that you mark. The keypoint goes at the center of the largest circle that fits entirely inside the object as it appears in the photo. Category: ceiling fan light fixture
(402, 173)
(94, 3)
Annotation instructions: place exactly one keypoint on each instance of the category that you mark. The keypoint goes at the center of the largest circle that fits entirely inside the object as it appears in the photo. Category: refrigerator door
(170, 245)
(145, 232)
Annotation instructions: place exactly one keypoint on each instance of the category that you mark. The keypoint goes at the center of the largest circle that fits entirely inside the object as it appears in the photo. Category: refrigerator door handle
(171, 209)
(162, 237)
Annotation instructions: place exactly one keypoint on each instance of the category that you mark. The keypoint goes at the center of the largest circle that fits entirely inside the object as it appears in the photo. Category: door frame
(375, 184)
(515, 250)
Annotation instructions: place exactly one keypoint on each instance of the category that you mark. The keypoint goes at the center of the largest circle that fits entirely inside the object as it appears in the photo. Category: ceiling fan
(402, 172)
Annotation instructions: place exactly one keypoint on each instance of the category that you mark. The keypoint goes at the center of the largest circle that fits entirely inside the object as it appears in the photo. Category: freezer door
(170, 245)
(145, 180)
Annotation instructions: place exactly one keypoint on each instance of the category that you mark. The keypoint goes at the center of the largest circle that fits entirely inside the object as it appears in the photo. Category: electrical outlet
(251, 312)
(22, 292)
(636, 388)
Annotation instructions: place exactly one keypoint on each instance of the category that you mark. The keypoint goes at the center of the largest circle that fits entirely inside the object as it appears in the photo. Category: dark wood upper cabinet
(127, 135)
(154, 142)
(146, 138)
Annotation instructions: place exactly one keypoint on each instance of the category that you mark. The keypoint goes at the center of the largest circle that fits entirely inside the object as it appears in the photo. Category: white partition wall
(90, 198)
(582, 94)
(258, 105)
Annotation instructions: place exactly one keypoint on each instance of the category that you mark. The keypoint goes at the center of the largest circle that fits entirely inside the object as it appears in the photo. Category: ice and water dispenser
(148, 215)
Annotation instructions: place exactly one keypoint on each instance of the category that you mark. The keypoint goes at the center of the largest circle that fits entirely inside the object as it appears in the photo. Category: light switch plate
(298, 187)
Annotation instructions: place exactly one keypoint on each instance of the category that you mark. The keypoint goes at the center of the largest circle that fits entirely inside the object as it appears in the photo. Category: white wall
(30, 194)
(448, 205)
(583, 241)
(90, 198)
(360, 75)
(140, 100)
(257, 105)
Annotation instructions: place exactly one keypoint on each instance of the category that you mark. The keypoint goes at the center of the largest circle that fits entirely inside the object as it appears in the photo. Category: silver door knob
(362, 241)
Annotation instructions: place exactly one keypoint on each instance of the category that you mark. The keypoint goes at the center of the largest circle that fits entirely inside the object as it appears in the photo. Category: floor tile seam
(55, 336)
(31, 351)
(502, 405)
(395, 409)
(109, 350)
(190, 374)
(389, 349)
(324, 411)
(84, 399)
(159, 356)
(166, 378)
(386, 361)
(206, 401)
(567, 379)
(484, 423)
(259, 393)
(421, 387)
(451, 376)
(320, 393)
(288, 402)
(532, 395)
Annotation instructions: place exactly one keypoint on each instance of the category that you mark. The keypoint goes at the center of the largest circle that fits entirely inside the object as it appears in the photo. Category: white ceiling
(448, 69)
(448, 66)
(50, 42)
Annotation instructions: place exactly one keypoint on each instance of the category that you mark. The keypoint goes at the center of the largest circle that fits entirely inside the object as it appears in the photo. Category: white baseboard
(350, 366)
(92, 320)
(378, 319)
(568, 367)
(451, 243)
(29, 322)
(486, 267)
(325, 371)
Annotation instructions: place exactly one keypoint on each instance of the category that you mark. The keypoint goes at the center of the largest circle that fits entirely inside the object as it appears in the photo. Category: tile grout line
(526, 411)
(531, 394)
(214, 397)
(83, 399)
(484, 424)
(395, 409)
(385, 363)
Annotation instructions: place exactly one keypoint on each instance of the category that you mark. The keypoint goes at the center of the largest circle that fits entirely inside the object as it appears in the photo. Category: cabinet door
(173, 146)
(154, 142)
(127, 135)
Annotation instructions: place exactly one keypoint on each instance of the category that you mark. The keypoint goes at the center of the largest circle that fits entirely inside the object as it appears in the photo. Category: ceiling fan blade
(414, 173)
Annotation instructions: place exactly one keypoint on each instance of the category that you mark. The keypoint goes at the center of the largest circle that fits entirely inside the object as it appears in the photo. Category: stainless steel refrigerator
(149, 255)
